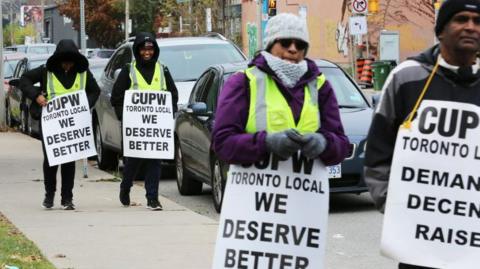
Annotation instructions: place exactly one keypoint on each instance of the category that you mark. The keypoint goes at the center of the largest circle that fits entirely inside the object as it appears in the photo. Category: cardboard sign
(67, 128)
(433, 207)
(274, 215)
(148, 124)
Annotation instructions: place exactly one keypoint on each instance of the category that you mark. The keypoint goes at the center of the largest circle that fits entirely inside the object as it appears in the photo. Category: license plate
(334, 171)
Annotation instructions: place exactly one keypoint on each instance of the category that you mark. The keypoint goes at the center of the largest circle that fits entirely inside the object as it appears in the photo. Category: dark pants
(408, 266)
(152, 174)
(50, 178)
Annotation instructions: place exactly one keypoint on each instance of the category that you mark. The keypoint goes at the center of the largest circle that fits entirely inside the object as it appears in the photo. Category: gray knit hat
(285, 25)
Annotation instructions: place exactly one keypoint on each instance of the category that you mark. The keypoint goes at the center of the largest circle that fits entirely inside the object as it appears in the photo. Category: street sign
(359, 6)
(358, 25)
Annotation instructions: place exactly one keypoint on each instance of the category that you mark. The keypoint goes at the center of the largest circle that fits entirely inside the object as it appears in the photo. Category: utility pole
(12, 29)
(2, 91)
(83, 41)
(127, 18)
(43, 20)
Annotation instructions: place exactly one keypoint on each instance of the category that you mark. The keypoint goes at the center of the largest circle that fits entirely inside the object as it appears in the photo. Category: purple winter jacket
(233, 145)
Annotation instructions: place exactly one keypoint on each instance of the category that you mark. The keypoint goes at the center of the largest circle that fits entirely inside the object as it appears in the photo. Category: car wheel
(218, 184)
(106, 159)
(24, 121)
(185, 184)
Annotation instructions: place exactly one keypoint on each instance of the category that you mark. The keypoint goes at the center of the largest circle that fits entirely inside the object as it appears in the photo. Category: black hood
(67, 51)
(427, 57)
(140, 39)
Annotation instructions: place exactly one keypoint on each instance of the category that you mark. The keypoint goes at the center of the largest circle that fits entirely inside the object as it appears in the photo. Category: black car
(196, 163)
(17, 104)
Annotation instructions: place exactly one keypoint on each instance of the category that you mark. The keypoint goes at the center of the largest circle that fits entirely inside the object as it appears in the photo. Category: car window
(187, 62)
(211, 92)
(36, 63)
(9, 68)
(196, 94)
(105, 53)
(38, 50)
(122, 57)
(51, 49)
(345, 91)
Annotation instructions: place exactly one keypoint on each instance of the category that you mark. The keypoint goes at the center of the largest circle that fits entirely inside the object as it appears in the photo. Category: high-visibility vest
(56, 88)
(269, 110)
(139, 83)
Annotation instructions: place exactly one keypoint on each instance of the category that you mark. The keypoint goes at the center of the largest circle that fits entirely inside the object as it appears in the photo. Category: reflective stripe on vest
(56, 88)
(270, 111)
(138, 82)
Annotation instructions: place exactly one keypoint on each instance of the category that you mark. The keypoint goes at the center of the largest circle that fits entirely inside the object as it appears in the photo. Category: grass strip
(16, 250)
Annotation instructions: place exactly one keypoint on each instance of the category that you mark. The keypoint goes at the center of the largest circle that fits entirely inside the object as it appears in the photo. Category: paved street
(102, 234)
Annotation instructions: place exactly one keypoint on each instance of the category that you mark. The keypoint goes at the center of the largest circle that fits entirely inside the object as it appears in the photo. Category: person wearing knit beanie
(451, 7)
(285, 26)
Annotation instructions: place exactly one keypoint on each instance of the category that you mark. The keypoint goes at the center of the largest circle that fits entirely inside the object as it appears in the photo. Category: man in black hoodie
(66, 65)
(453, 65)
(145, 72)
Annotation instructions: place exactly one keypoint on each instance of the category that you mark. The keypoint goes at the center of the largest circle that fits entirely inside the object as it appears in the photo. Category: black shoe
(154, 205)
(68, 205)
(125, 197)
(48, 202)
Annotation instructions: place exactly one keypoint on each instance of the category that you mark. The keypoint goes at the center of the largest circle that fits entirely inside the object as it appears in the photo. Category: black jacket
(66, 50)
(146, 68)
(400, 93)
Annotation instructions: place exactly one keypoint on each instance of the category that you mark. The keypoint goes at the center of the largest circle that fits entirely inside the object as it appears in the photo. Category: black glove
(281, 145)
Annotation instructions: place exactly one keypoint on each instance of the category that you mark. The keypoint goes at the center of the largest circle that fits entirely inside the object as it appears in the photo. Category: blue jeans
(152, 170)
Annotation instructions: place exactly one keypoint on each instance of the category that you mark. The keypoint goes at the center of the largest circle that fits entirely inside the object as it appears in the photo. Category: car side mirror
(199, 109)
(14, 82)
(375, 99)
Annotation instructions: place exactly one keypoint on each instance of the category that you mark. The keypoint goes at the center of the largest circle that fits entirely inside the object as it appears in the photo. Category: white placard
(148, 124)
(433, 210)
(358, 25)
(274, 215)
(67, 128)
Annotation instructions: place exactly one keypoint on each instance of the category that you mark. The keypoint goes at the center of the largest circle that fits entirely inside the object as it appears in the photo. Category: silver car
(186, 58)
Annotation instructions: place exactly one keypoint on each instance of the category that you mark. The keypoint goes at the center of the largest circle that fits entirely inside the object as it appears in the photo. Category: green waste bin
(381, 69)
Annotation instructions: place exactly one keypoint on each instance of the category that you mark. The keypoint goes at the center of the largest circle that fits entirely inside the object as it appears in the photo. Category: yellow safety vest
(139, 83)
(56, 88)
(269, 111)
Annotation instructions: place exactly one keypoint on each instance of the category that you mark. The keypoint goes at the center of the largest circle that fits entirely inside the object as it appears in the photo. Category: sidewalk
(100, 233)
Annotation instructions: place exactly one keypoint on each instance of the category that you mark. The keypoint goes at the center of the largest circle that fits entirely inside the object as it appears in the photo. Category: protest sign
(274, 215)
(148, 124)
(67, 128)
(433, 210)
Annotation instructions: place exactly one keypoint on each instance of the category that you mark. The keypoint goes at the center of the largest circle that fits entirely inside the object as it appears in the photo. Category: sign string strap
(408, 123)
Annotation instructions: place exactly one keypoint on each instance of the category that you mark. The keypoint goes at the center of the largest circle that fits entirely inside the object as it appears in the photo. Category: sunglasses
(299, 44)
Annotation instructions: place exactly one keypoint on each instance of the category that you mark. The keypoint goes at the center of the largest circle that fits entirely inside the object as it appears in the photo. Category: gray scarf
(289, 73)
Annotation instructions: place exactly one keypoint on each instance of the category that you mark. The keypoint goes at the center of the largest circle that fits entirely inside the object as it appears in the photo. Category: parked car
(185, 57)
(10, 61)
(17, 104)
(38, 48)
(196, 163)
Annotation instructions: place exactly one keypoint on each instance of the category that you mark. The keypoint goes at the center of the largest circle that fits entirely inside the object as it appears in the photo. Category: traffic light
(373, 6)
(272, 8)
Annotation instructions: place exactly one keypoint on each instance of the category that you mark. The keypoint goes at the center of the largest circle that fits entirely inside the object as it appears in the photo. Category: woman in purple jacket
(283, 62)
